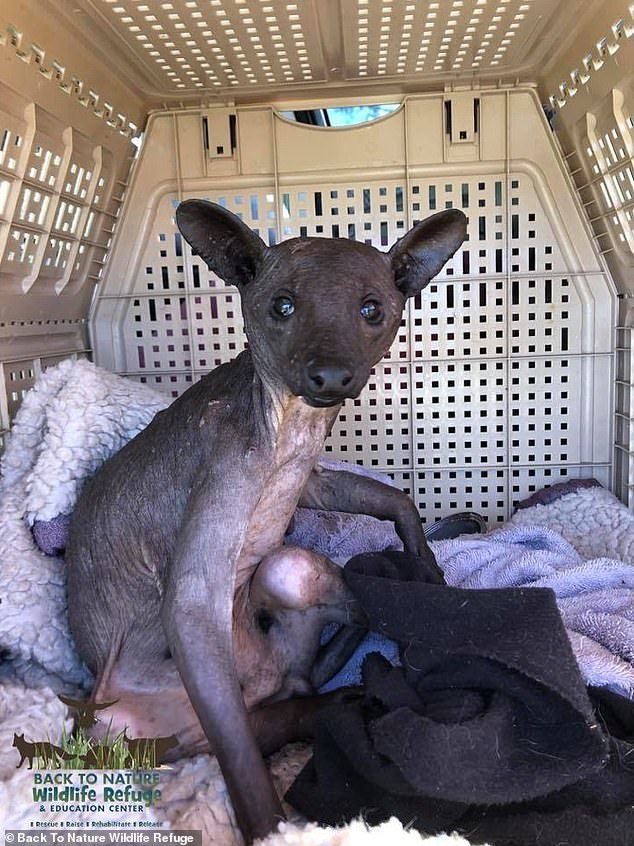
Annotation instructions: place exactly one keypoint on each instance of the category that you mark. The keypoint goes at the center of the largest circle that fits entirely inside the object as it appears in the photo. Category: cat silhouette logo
(42, 750)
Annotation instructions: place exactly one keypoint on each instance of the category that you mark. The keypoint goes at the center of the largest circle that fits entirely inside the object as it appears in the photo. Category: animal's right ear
(420, 254)
(222, 240)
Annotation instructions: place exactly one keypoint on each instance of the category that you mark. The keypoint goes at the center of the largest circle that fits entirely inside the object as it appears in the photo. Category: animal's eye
(283, 306)
(372, 311)
(265, 620)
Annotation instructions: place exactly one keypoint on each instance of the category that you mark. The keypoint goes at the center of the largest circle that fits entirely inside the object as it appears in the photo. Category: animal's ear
(420, 254)
(222, 240)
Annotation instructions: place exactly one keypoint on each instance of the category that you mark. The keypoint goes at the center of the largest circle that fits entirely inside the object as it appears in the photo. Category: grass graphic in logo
(80, 751)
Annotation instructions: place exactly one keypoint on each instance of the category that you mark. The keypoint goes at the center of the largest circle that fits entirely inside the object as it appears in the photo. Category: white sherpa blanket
(69, 423)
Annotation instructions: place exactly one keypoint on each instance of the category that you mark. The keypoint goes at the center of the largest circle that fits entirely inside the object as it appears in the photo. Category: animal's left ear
(420, 254)
(222, 240)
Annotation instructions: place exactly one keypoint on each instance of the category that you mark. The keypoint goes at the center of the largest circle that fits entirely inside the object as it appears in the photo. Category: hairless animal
(183, 600)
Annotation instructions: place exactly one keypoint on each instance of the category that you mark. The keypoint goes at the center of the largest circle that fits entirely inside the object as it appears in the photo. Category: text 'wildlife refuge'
(114, 791)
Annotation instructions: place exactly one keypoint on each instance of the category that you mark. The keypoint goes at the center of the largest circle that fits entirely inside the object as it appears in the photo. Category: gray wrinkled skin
(181, 599)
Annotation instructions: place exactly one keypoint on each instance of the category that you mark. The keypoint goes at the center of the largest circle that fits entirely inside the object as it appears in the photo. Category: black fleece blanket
(487, 728)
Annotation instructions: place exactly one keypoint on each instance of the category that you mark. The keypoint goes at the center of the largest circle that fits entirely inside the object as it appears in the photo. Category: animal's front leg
(197, 616)
(292, 720)
(339, 490)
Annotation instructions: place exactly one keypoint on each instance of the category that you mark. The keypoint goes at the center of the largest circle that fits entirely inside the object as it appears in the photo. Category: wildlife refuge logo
(127, 780)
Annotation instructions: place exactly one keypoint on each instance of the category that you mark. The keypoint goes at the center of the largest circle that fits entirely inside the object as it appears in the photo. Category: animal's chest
(298, 445)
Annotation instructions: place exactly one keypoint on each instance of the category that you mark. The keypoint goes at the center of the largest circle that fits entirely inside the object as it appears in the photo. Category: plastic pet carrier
(511, 372)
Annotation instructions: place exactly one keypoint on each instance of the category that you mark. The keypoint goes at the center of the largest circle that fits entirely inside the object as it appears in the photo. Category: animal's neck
(296, 435)
(279, 407)
(277, 399)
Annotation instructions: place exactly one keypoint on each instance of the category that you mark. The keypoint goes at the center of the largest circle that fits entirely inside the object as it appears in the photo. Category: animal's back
(127, 517)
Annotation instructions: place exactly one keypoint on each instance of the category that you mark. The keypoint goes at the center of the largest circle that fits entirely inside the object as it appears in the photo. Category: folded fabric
(595, 598)
(487, 709)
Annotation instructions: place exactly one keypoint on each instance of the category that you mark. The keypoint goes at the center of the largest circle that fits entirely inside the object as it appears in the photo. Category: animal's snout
(327, 381)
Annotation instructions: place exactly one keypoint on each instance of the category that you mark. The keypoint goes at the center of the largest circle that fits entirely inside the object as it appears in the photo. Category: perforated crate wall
(62, 177)
(591, 92)
(55, 227)
(191, 46)
(499, 380)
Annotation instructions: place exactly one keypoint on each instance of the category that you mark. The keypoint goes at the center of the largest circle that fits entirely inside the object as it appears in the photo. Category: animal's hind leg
(150, 704)
(162, 708)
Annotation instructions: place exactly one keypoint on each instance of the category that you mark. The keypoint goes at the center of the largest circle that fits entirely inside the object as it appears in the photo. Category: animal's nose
(327, 379)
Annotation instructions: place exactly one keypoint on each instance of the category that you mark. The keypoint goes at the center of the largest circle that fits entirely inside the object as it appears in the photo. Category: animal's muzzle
(328, 383)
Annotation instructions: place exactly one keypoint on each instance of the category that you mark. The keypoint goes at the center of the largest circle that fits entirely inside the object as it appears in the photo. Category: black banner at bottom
(106, 837)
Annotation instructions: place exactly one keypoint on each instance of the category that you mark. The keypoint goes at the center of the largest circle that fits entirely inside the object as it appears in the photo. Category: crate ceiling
(252, 48)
